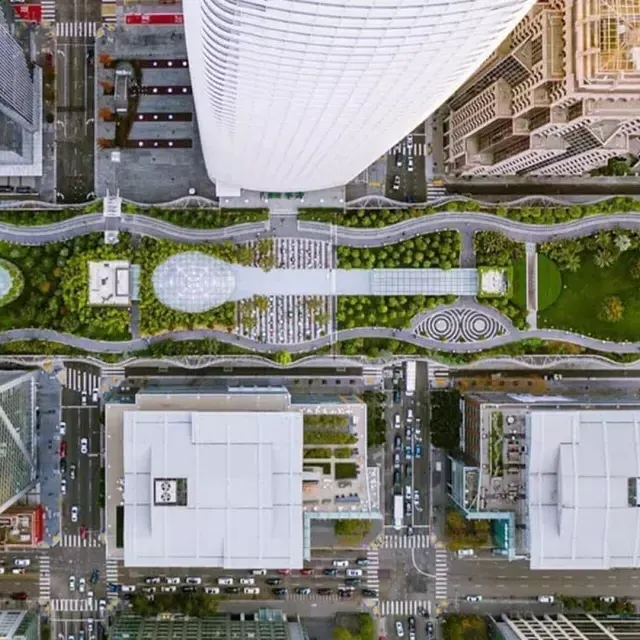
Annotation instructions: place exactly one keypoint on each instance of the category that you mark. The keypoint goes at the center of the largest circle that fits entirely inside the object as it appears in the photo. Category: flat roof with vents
(213, 489)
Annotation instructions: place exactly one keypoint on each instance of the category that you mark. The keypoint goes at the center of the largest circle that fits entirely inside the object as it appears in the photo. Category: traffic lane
(71, 415)
(489, 576)
(27, 582)
(89, 467)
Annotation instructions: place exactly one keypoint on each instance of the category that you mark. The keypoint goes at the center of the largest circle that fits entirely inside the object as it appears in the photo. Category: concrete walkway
(532, 285)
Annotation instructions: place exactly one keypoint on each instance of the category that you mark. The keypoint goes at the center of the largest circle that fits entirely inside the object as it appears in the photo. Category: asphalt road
(407, 162)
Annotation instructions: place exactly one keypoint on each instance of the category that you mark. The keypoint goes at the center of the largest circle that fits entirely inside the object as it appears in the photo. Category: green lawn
(583, 293)
(519, 295)
(549, 282)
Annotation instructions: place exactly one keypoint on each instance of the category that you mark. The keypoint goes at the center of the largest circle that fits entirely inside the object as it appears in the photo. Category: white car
(169, 589)
(396, 183)
(22, 562)
(396, 421)
(72, 583)
(608, 599)
(18, 570)
(474, 598)
(465, 553)
(82, 583)
(546, 599)
(102, 607)
(259, 572)
(1, 570)
(84, 445)
(251, 591)
(409, 164)
(95, 396)
(212, 591)
(83, 398)
(340, 563)
(172, 580)
(399, 629)
(410, 141)
(193, 580)
(409, 415)
(63, 428)
(90, 624)
(225, 582)
(63, 486)
(354, 573)
(247, 581)
(127, 588)
(74, 513)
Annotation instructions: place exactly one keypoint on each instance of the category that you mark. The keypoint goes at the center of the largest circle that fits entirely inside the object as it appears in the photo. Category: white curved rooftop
(293, 95)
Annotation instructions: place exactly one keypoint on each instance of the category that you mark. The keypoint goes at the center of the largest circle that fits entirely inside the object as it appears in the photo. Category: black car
(396, 396)
(274, 581)
(280, 592)
(407, 470)
(397, 442)
(325, 592)
(63, 465)
(397, 478)
(429, 628)
(188, 589)
(352, 582)
(369, 593)
(345, 593)
(362, 562)
(232, 590)
(330, 572)
(412, 623)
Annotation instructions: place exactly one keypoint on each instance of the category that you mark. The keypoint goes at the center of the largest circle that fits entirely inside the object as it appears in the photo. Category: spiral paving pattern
(459, 324)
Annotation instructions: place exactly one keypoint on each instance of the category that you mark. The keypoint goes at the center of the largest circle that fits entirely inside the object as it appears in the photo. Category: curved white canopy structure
(301, 95)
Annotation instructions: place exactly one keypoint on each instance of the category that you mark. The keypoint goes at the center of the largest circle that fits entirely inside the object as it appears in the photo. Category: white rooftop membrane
(293, 95)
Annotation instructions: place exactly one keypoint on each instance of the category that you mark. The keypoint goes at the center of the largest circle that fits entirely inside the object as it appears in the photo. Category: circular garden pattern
(11, 282)
(458, 324)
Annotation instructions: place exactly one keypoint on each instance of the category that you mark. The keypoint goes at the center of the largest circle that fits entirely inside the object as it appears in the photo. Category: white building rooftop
(584, 470)
(213, 489)
(109, 283)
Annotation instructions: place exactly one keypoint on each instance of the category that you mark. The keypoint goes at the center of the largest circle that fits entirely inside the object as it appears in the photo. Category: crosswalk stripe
(419, 541)
(74, 540)
(70, 604)
(372, 577)
(45, 580)
(82, 380)
(76, 29)
(442, 571)
(402, 607)
(48, 8)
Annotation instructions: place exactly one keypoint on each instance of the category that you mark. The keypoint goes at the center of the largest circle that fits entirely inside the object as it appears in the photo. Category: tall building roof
(583, 484)
(207, 489)
(300, 96)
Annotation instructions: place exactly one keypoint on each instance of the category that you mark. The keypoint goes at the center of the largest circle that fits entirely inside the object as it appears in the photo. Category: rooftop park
(591, 286)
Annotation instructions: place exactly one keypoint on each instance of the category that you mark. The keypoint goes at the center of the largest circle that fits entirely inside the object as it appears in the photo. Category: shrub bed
(346, 470)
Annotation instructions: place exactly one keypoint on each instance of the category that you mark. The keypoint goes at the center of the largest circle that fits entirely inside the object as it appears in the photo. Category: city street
(406, 179)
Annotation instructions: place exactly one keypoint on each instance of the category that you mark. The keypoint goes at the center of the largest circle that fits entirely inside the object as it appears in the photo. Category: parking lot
(405, 178)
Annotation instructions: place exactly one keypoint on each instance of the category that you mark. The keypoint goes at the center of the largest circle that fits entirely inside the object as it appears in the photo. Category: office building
(214, 477)
(560, 96)
(19, 625)
(20, 105)
(558, 475)
(17, 436)
(293, 96)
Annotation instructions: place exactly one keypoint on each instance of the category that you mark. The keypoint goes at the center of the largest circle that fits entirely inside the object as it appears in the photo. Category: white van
(546, 599)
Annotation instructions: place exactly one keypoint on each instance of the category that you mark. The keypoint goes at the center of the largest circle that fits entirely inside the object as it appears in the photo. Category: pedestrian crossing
(436, 191)
(48, 8)
(76, 29)
(403, 607)
(372, 578)
(442, 570)
(112, 571)
(418, 541)
(44, 594)
(114, 371)
(418, 149)
(81, 380)
(74, 540)
(78, 604)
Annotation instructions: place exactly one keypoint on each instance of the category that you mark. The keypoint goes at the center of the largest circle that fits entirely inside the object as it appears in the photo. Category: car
(112, 587)
(212, 591)
(172, 580)
(418, 450)
(22, 562)
(408, 509)
(325, 592)
(62, 428)
(416, 495)
(396, 421)
(473, 598)
(396, 460)
(149, 590)
(71, 637)
(303, 591)
(340, 563)
(396, 396)
(168, 588)
(417, 434)
(18, 595)
(330, 572)
(280, 591)
(397, 476)
(608, 599)
(369, 593)
(63, 449)
(408, 432)
(409, 415)
(193, 580)
(247, 581)
(225, 581)
(411, 621)
(102, 606)
(72, 583)
(74, 513)
(546, 599)
(188, 588)
(362, 562)
(399, 629)
(127, 588)
(429, 628)
(412, 635)
(397, 442)
(251, 591)
(353, 582)
(95, 395)
(63, 486)
(409, 530)
(353, 573)
(464, 553)
(83, 398)
(410, 164)
(407, 492)
(18, 571)
(82, 583)
(407, 470)
(410, 141)
(152, 580)
(306, 572)
(81, 634)
(396, 183)
(284, 572)
(72, 471)
(259, 572)
(230, 590)
(84, 445)
(89, 595)
(345, 592)
(89, 625)
(2, 570)
(63, 466)
(274, 581)
(408, 454)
